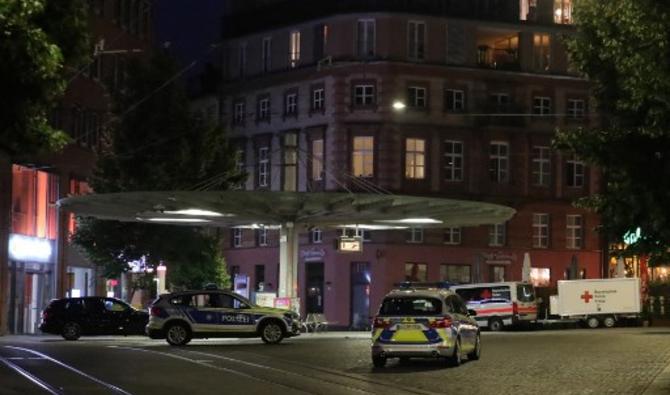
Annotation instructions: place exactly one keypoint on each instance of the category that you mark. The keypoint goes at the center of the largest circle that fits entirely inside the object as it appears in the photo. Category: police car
(178, 317)
(424, 320)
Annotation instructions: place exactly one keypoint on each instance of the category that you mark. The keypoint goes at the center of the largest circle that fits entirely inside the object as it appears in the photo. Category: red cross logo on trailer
(587, 296)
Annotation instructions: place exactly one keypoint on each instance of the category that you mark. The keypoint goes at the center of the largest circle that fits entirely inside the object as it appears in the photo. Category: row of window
(364, 95)
(415, 153)
(574, 236)
(365, 36)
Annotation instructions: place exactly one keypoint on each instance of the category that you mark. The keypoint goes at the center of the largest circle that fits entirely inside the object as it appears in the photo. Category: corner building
(452, 99)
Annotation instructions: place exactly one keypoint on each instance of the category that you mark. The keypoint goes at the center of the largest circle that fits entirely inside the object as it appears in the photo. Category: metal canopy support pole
(288, 261)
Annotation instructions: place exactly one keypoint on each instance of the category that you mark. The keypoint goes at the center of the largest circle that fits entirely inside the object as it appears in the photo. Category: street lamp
(399, 105)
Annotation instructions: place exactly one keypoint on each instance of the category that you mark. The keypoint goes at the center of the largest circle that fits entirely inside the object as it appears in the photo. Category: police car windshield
(411, 306)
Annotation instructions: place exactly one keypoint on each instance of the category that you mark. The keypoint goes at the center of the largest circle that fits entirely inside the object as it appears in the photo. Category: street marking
(208, 365)
(40, 383)
(109, 386)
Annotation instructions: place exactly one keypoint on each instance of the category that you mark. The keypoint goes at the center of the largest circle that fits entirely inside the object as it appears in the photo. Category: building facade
(39, 263)
(453, 99)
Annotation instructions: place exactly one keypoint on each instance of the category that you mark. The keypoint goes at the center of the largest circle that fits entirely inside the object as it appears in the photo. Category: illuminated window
(416, 37)
(563, 11)
(541, 166)
(497, 235)
(365, 36)
(363, 234)
(294, 49)
(540, 230)
(34, 195)
(453, 160)
(452, 236)
(540, 277)
(415, 158)
(317, 159)
(541, 52)
(363, 156)
(499, 162)
(574, 231)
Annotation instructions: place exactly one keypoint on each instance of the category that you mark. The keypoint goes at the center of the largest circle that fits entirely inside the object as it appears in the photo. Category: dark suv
(74, 317)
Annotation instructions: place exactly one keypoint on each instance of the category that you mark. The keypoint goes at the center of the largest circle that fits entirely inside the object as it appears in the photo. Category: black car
(74, 317)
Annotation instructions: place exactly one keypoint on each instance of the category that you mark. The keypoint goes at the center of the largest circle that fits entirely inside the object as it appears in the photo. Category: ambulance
(422, 320)
(500, 305)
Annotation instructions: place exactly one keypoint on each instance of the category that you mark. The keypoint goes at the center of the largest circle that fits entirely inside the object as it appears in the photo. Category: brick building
(454, 99)
(39, 264)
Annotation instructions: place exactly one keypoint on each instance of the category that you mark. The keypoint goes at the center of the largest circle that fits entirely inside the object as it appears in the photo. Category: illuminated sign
(32, 249)
(632, 237)
(353, 244)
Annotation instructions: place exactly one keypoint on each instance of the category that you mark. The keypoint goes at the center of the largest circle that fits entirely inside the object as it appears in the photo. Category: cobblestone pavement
(602, 361)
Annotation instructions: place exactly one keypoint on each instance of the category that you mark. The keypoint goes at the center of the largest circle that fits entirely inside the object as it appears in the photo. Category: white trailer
(598, 301)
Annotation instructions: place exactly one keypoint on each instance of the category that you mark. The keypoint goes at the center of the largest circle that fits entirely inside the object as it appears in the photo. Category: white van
(499, 305)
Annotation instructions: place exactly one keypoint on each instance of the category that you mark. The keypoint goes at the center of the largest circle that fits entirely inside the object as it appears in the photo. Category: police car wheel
(474, 355)
(455, 359)
(378, 362)
(177, 334)
(272, 332)
(495, 325)
(71, 331)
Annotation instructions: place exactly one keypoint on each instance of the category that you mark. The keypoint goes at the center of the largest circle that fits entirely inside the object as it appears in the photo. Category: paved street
(615, 361)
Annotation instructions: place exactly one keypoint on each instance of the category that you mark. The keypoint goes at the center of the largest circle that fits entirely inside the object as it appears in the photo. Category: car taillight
(156, 311)
(379, 323)
(515, 308)
(441, 323)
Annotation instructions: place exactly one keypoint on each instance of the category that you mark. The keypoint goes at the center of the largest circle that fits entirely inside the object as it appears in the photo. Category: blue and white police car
(181, 316)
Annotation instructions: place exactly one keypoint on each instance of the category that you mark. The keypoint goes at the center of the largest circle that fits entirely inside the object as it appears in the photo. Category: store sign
(313, 254)
(499, 258)
(353, 244)
(266, 299)
(30, 249)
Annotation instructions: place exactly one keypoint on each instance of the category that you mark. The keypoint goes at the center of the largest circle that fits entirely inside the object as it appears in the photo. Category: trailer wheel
(609, 321)
(592, 322)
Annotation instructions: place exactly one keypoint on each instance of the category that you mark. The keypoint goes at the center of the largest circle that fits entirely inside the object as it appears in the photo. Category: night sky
(190, 26)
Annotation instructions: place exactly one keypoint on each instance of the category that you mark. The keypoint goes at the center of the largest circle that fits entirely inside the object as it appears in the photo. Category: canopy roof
(256, 208)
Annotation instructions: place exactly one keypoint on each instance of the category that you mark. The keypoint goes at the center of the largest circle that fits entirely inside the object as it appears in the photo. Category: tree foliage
(623, 47)
(38, 38)
(157, 144)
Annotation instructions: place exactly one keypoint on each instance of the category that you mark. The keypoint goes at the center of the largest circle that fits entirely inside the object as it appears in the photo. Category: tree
(38, 38)
(157, 144)
(623, 47)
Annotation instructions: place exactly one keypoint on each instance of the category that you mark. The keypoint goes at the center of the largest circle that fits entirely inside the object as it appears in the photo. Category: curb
(660, 385)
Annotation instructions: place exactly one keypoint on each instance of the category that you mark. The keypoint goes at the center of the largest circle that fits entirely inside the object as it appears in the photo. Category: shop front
(31, 274)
